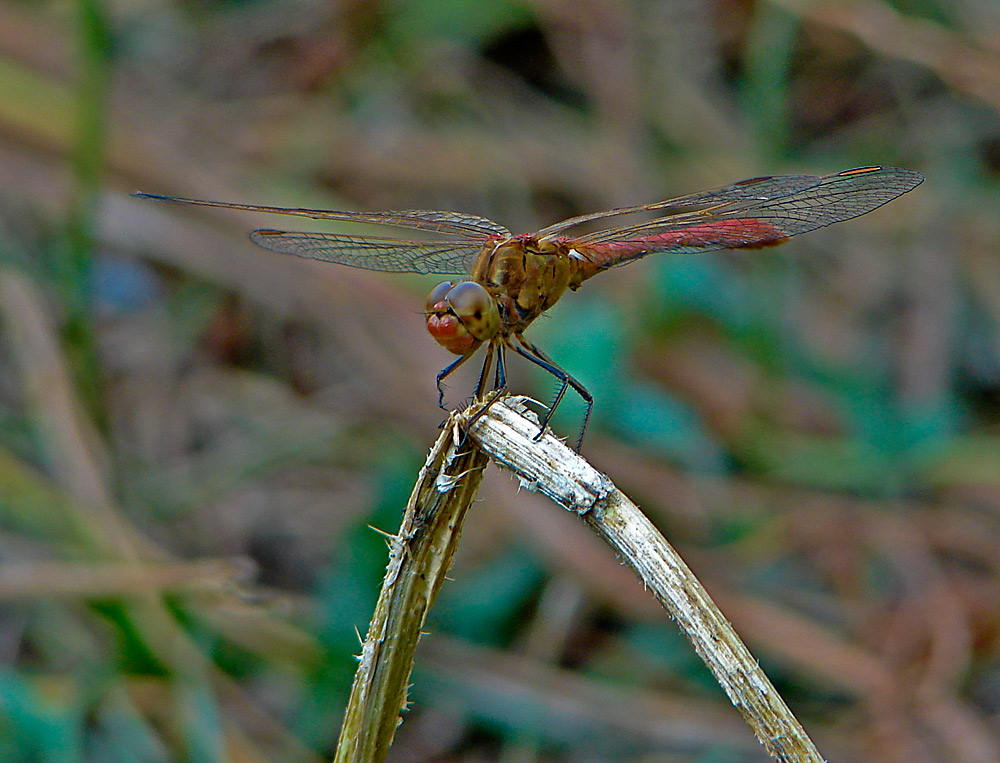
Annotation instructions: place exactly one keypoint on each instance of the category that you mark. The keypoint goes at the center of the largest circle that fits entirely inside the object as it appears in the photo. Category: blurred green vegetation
(196, 437)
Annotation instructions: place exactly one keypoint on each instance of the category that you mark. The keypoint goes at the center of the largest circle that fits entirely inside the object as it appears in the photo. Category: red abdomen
(748, 233)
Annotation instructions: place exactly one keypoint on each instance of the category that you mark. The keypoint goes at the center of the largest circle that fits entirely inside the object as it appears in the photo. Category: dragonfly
(506, 281)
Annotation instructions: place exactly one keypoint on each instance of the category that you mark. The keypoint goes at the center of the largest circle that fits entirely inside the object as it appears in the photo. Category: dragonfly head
(461, 316)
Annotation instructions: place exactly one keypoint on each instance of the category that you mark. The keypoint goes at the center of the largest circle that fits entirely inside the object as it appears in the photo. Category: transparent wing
(433, 221)
(450, 222)
(752, 213)
(801, 200)
(385, 254)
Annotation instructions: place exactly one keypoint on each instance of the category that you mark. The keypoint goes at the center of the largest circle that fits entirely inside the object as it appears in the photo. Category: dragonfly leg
(485, 373)
(531, 352)
(499, 382)
(445, 372)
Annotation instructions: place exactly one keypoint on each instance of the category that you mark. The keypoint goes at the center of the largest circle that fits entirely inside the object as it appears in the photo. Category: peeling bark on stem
(422, 552)
(420, 555)
(551, 468)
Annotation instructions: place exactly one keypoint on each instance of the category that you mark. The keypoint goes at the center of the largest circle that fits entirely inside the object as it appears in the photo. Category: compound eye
(476, 309)
(438, 293)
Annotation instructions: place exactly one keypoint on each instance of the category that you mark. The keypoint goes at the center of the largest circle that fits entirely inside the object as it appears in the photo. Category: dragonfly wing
(887, 181)
(754, 213)
(433, 221)
(459, 223)
(385, 254)
(754, 188)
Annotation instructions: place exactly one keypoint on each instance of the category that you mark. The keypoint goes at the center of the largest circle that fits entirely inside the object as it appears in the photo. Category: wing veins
(725, 202)
(433, 221)
(371, 253)
(831, 199)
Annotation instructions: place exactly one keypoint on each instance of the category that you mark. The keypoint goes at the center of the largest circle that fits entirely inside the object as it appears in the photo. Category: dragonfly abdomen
(744, 233)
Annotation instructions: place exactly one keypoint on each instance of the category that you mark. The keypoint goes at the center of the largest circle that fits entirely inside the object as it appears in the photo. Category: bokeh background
(197, 435)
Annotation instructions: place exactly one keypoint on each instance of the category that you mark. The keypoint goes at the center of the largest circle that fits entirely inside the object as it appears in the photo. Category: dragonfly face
(461, 317)
(514, 279)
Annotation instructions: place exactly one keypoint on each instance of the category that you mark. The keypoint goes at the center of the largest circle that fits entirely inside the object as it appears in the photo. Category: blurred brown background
(197, 434)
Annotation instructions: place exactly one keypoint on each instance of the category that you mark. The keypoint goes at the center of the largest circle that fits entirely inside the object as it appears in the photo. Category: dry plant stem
(551, 468)
(419, 557)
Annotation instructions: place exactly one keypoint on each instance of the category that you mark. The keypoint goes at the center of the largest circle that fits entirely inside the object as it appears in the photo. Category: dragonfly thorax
(526, 276)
